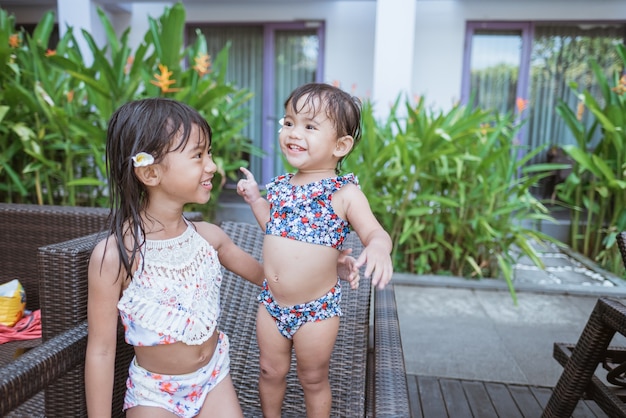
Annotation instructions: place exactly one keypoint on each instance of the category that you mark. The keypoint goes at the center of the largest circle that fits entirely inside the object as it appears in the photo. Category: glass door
(270, 60)
(295, 61)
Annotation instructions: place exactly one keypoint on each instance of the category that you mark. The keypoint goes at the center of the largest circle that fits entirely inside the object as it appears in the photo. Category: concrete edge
(498, 284)
(588, 263)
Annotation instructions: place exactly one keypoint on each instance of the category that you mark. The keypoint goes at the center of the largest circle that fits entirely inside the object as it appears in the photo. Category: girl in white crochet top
(162, 273)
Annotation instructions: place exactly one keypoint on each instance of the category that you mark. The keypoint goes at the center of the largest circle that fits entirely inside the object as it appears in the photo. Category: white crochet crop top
(176, 295)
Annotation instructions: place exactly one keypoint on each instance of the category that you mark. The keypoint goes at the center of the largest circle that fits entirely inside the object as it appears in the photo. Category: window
(270, 60)
(536, 62)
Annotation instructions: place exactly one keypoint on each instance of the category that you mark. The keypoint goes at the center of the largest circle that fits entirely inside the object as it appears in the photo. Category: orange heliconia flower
(163, 80)
(621, 86)
(129, 64)
(521, 104)
(579, 111)
(14, 40)
(203, 64)
(51, 52)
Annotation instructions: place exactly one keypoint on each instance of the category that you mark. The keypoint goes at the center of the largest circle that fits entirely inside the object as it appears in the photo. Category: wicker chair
(23, 229)
(580, 361)
(54, 278)
(367, 367)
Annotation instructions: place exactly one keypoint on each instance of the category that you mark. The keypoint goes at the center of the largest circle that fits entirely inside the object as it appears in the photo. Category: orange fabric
(27, 328)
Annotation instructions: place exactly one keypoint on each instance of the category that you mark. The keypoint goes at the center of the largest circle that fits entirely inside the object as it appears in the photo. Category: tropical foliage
(450, 189)
(55, 103)
(595, 191)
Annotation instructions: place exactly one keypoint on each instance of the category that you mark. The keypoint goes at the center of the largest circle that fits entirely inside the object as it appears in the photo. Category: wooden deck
(435, 397)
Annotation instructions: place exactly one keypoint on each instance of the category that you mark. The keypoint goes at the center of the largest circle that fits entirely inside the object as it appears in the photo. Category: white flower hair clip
(143, 159)
(281, 122)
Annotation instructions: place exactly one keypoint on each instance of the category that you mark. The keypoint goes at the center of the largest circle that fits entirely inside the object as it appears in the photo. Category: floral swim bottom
(290, 318)
(183, 394)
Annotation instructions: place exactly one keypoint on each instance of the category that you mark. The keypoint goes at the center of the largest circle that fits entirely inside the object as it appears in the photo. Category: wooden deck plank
(502, 400)
(431, 397)
(414, 397)
(595, 408)
(526, 401)
(583, 411)
(478, 399)
(585, 408)
(541, 394)
(438, 397)
(454, 398)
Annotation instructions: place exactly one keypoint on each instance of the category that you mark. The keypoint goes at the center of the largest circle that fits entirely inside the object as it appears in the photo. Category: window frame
(527, 31)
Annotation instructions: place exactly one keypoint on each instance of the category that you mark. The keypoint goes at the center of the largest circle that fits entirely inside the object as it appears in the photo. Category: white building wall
(349, 48)
(440, 35)
(351, 25)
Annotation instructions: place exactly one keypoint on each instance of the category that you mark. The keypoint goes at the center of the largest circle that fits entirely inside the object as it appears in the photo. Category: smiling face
(308, 138)
(187, 172)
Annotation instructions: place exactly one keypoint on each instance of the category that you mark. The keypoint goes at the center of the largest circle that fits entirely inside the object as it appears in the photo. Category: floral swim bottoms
(184, 394)
(290, 318)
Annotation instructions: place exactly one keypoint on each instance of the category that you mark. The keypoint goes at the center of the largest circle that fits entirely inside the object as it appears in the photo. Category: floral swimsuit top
(175, 293)
(305, 213)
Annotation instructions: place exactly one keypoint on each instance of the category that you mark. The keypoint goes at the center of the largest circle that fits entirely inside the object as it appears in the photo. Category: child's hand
(347, 269)
(248, 187)
(379, 265)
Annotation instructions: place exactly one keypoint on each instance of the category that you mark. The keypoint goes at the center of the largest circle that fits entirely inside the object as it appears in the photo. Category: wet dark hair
(340, 107)
(148, 125)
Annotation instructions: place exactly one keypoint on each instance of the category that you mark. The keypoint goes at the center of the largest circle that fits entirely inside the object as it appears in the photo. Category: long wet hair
(340, 107)
(152, 126)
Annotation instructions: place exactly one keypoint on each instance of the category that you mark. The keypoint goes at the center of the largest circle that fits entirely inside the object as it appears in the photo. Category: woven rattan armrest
(582, 360)
(41, 366)
(388, 373)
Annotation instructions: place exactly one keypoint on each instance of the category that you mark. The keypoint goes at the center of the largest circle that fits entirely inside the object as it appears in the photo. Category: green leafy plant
(450, 189)
(595, 190)
(55, 104)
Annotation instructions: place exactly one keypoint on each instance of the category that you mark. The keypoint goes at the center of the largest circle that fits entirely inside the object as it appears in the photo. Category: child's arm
(231, 256)
(377, 252)
(249, 190)
(104, 289)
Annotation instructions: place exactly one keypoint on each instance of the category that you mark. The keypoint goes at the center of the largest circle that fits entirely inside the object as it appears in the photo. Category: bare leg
(148, 412)
(313, 343)
(275, 359)
(222, 401)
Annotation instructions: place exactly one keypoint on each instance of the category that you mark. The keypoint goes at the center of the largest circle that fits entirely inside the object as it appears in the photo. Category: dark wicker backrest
(24, 228)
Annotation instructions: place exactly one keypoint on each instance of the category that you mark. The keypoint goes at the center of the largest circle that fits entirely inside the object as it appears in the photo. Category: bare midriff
(298, 272)
(178, 358)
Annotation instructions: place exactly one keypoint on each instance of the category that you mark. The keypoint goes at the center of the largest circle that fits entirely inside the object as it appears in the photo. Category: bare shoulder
(105, 252)
(212, 233)
(349, 189)
(104, 263)
(349, 196)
